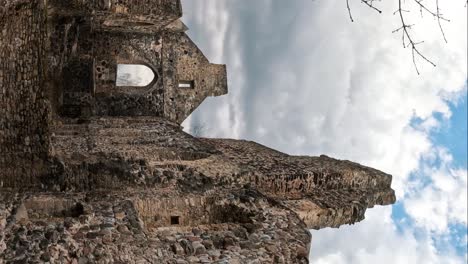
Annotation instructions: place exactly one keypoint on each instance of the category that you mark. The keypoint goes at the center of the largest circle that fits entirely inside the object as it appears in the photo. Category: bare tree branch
(406, 35)
(405, 29)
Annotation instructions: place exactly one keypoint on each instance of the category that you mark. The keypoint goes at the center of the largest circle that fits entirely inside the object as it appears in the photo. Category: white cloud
(305, 80)
(442, 201)
(376, 240)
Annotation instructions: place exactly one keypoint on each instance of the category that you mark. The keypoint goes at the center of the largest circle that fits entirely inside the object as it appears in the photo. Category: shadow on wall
(190, 211)
(47, 208)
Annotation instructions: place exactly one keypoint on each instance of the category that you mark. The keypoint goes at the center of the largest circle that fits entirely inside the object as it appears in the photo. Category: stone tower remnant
(96, 172)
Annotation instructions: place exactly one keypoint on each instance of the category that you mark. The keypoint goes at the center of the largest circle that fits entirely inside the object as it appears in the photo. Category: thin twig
(411, 43)
(349, 11)
(370, 4)
(435, 14)
(439, 17)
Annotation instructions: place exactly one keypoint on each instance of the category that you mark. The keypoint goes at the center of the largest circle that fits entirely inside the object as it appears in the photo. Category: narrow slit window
(186, 84)
(136, 75)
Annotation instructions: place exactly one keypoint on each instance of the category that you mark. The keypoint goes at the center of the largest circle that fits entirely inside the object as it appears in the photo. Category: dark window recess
(186, 84)
(72, 111)
(175, 220)
(77, 210)
(74, 211)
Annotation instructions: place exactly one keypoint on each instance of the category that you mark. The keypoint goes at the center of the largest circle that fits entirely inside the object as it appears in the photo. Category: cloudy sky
(305, 80)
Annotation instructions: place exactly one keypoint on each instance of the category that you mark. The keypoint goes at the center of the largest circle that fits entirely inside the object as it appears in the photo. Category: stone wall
(83, 69)
(113, 49)
(135, 15)
(323, 191)
(290, 175)
(86, 49)
(115, 153)
(190, 211)
(24, 136)
(106, 227)
(184, 62)
(138, 13)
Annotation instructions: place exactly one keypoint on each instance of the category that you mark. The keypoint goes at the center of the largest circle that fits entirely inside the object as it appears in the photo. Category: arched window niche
(134, 75)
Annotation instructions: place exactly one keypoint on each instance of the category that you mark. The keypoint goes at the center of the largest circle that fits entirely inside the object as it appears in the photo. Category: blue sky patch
(453, 132)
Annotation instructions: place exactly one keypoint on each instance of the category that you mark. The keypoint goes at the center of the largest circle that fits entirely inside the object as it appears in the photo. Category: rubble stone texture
(92, 172)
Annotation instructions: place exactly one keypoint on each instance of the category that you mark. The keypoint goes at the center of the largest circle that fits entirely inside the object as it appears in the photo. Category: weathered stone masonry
(23, 108)
(93, 172)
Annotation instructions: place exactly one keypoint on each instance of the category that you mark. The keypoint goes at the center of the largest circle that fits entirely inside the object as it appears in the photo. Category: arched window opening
(134, 75)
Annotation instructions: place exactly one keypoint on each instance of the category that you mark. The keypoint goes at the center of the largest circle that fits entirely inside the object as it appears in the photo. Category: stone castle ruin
(94, 169)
